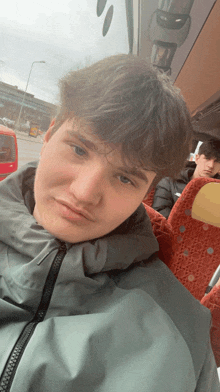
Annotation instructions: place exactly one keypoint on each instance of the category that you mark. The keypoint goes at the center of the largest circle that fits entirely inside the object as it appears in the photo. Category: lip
(73, 213)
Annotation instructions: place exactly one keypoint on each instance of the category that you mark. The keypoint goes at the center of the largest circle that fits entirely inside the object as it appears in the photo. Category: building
(35, 111)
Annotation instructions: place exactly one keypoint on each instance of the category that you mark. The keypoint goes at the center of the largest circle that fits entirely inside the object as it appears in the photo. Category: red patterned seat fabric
(150, 197)
(212, 301)
(191, 249)
(196, 248)
(162, 231)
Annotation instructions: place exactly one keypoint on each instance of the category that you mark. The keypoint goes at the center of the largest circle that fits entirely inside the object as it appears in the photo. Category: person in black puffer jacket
(207, 164)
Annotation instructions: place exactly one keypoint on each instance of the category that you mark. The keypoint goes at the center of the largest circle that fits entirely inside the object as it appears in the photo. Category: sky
(65, 34)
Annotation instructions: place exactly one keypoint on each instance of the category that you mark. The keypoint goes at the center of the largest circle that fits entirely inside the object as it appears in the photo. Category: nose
(89, 185)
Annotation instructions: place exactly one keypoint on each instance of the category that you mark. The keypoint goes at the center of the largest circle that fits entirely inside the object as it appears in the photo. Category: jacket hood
(188, 171)
(131, 242)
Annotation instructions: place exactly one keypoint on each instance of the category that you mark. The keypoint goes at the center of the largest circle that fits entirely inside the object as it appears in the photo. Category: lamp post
(22, 103)
(2, 63)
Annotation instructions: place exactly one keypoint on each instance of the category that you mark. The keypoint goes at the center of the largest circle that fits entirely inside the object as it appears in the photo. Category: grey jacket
(100, 316)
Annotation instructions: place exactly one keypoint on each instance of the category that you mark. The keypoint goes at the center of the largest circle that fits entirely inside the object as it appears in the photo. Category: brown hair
(211, 149)
(125, 100)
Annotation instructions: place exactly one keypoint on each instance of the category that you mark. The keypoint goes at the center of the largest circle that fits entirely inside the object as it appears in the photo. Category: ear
(47, 137)
(197, 158)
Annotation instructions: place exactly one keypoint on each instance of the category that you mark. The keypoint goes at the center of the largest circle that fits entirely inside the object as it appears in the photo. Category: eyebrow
(87, 142)
(134, 172)
(130, 171)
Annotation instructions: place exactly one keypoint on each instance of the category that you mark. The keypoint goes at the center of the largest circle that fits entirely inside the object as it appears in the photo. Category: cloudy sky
(65, 34)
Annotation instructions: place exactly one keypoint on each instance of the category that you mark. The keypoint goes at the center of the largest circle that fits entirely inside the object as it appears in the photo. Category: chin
(64, 234)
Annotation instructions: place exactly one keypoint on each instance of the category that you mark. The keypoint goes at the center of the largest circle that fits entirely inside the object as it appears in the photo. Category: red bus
(8, 152)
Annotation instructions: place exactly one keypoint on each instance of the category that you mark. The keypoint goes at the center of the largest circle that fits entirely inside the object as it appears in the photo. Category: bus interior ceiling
(190, 54)
(199, 78)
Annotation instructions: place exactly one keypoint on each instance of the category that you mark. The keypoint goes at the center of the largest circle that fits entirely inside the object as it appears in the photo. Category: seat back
(150, 197)
(162, 231)
(196, 248)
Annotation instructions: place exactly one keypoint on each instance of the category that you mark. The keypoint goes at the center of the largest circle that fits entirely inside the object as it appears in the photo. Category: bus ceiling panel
(174, 23)
(165, 21)
(206, 134)
(199, 78)
(206, 120)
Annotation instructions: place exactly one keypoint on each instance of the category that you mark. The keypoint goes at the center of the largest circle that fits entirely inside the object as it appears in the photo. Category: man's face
(206, 167)
(83, 190)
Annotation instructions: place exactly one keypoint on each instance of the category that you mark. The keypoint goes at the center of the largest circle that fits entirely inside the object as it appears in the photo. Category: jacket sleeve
(208, 379)
(212, 301)
(163, 200)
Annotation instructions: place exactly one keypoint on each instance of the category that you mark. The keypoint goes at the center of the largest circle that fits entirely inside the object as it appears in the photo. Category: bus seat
(206, 206)
(150, 197)
(212, 301)
(196, 248)
(162, 231)
(196, 265)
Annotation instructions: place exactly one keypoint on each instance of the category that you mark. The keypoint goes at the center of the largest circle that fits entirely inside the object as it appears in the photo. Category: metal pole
(22, 103)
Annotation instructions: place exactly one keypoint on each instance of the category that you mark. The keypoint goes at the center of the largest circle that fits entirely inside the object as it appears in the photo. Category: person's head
(121, 125)
(208, 159)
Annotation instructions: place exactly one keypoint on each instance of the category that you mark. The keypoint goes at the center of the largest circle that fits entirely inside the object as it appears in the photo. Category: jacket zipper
(19, 347)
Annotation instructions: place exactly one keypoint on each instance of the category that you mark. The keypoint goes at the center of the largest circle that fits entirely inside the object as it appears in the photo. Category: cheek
(122, 208)
(53, 173)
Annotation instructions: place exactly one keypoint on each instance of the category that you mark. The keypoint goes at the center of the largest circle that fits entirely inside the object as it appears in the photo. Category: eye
(79, 151)
(125, 180)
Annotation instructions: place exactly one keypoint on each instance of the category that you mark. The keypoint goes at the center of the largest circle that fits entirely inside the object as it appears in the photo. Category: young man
(207, 164)
(86, 304)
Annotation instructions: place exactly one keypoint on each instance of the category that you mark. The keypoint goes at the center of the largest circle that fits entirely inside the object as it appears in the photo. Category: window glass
(43, 40)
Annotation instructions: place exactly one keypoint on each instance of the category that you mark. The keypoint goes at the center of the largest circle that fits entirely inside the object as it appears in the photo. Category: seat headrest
(206, 206)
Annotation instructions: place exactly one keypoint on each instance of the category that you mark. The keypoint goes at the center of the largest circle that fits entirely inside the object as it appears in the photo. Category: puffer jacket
(168, 190)
(100, 316)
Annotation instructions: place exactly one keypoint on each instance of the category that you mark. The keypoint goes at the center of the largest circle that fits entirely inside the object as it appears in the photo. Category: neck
(195, 175)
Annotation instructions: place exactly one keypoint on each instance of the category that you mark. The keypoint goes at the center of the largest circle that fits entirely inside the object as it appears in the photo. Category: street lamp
(2, 63)
(22, 103)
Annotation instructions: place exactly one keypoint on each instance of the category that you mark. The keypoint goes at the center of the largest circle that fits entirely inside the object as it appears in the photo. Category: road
(28, 149)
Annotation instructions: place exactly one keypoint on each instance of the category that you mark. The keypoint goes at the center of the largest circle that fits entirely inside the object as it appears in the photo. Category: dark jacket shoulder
(168, 190)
